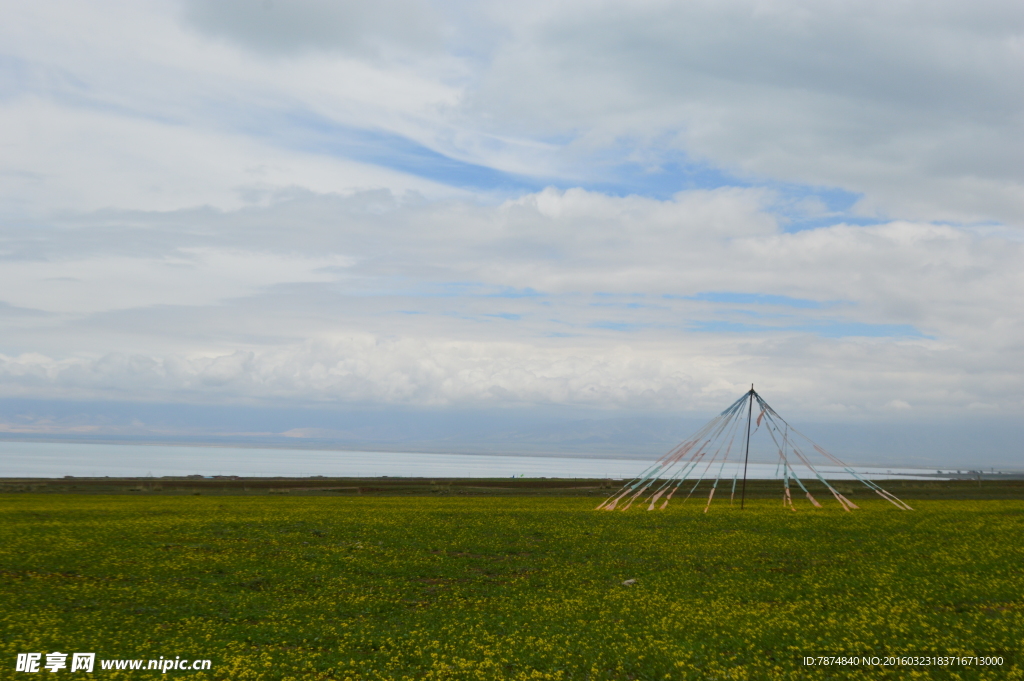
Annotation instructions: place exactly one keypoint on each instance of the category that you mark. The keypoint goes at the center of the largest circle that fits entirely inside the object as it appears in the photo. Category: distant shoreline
(447, 487)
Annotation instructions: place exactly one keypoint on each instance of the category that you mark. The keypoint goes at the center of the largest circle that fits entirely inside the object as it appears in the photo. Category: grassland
(445, 586)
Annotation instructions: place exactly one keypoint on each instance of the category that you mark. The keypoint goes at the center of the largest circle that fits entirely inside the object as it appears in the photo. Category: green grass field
(278, 587)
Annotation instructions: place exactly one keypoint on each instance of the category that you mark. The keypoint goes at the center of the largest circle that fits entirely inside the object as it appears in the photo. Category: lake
(57, 459)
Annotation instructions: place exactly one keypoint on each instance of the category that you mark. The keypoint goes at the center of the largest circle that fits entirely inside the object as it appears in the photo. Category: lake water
(57, 459)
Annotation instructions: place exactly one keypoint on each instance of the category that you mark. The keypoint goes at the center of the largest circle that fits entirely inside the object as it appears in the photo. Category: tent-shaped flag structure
(721, 450)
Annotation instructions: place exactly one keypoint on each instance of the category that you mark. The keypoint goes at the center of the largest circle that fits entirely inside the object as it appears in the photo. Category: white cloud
(302, 25)
(916, 105)
(685, 375)
(141, 113)
(913, 106)
(92, 160)
(568, 297)
(190, 276)
(222, 202)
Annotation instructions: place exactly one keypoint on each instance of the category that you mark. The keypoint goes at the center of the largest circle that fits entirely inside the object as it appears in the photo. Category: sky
(584, 211)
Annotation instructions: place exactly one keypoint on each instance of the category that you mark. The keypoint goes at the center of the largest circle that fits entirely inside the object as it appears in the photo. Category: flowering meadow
(509, 588)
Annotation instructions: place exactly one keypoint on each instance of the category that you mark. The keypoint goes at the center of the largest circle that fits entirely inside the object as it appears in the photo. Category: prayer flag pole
(692, 461)
(746, 456)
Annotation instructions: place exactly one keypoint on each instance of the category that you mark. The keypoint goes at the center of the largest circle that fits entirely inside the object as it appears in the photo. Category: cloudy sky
(608, 207)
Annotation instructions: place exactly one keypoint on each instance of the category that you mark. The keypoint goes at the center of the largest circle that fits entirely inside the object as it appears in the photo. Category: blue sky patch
(510, 292)
(798, 206)
(731, 297)
(618, 326)
(662, 182)
(306, 131)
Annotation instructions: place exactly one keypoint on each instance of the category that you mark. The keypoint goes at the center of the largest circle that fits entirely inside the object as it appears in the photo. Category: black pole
(750, 412)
